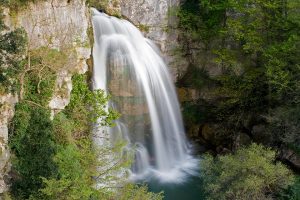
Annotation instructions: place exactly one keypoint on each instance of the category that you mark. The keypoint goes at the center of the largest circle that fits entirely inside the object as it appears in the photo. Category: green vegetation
(108, 6)
(252, 97)
(82, 96)
(12, 46)
(250, 173)
(103, 4)
(17, 5)
(144, 28)
(31, 136)
(77, 159)
(255, 44)
(77, 164)
(134, 192)
(33, 145)
(57, 159)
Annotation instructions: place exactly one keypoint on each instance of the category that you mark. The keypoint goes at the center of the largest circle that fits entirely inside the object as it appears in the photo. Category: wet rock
(208, 132)
(134, 109)
(243, 139)
(222, 150)
(291, 158)
(124, 89)
(216, 135)
(194, 131)
(187, 94)
(259, 133)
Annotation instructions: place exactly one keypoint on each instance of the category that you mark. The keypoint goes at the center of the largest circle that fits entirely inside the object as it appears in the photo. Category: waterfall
(129, 67)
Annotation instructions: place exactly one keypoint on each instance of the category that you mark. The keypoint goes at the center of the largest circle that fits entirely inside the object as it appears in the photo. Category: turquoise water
(192, 189)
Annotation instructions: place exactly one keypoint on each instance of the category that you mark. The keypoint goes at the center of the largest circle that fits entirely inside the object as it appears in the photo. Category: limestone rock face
(291, 157)
(62, 92)
(187, 94)
(61, 25)
(7, 103)
(56, 24)
(53, 23)
(152, 17)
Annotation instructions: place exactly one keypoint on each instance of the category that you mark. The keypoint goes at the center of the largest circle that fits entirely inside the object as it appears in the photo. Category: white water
(130, 68)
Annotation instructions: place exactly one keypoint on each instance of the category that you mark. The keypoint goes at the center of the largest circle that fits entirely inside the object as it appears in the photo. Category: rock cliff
(154, 19)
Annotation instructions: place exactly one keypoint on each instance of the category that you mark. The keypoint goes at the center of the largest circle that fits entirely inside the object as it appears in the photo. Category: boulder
(194, 131)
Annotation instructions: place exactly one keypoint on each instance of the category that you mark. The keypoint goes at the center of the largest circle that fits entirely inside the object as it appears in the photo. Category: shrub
(250, 173)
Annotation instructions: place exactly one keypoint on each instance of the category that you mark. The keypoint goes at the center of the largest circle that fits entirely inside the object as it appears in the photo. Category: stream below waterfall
(192, 189)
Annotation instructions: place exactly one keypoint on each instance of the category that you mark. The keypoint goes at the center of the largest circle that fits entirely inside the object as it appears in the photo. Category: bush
(250, 173)
(77, 166)
(135, 192)
(293, 192)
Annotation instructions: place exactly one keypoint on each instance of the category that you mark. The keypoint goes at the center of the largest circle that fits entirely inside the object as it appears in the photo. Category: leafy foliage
(91, 104)
(77, 159)
(56, 159)
(201, 20)
(256, 45)
(33, 145)
(250, 173)
(31, 134)
(84, 170)
(135, 192)
(12, 46)
(77, 165)
(107, 6)
(98, 4)
(284, 125)
(292, 192)
(19, 4)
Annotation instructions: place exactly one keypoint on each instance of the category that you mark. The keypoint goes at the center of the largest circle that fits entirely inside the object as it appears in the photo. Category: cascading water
(129, 68)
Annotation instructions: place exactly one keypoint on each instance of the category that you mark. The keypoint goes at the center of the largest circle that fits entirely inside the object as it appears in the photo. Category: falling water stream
(129, 67)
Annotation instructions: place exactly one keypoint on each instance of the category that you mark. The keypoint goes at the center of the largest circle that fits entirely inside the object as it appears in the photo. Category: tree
(32, 142)
(78, 175)
(250, 173)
